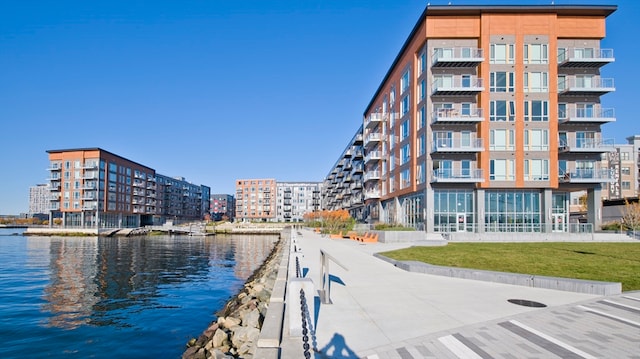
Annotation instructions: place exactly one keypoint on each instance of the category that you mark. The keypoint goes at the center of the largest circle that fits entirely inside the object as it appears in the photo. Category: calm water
(90, 297)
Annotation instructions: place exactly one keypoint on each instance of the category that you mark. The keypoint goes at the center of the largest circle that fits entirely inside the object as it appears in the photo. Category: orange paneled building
(488, 118)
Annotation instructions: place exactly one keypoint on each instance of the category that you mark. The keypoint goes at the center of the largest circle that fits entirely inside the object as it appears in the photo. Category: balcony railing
(457, 57)
(586, 175)
(371, 194)
(583, 115)
(457, 145)
(371, 176)
(457, 85)
(457, 115)
(372, 138)
(372, 120)
(586, 145)
(584, 57)
(448, 175)
(373, 156)
(594, 86)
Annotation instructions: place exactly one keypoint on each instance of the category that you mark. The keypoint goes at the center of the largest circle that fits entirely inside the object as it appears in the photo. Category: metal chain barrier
(305, 330)
(298, 272)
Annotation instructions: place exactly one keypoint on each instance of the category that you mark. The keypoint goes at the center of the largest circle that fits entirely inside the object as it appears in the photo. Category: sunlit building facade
(94, 188)
(294, 199)
(487, 120)
(255, 200)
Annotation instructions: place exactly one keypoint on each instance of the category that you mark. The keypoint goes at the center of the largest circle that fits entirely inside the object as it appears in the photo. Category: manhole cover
(527, 303)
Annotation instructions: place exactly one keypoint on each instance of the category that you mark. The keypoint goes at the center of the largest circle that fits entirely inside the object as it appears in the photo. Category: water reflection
(113, 281)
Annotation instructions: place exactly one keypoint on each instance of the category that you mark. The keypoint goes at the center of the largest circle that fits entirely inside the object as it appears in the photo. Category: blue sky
(217, 90)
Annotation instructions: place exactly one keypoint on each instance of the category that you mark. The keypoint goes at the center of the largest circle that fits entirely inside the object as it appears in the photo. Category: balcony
(373, 156)
(586, 145)
(448, 175)
(457, 57)
(585, 86)
(457, 115)
(372, 176)
(372, 139)
(457, 145)
(54, 197)
(371, 194)
(463, 85)
(372, 120)
(55, 168)
(586, 175)
(584, 57)
(583, 115)
(357, 140)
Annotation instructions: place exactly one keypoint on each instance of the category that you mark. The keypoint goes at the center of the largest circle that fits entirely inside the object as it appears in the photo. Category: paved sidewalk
(379, 311)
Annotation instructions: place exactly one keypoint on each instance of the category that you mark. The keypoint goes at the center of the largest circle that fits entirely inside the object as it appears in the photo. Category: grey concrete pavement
(380, 311)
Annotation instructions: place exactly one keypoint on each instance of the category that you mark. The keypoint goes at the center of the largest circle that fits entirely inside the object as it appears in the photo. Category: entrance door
(461, 220)
(558, 224)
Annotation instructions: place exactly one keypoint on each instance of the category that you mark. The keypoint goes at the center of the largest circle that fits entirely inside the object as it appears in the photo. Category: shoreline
(239, 322)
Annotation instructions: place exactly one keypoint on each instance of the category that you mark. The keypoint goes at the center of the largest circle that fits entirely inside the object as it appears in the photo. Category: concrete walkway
(379, 311)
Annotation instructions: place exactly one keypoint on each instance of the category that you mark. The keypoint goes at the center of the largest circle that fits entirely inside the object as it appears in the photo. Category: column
(594, 207)
(547, 209)
(479, 209)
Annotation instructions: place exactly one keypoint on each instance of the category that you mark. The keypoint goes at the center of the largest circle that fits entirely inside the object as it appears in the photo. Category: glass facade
(453, 211)
(512, 211)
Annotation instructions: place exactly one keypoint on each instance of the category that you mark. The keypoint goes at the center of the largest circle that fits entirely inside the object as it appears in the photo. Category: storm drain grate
(527, 303)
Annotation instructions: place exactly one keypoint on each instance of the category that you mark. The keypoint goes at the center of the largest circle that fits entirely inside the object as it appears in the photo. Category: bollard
(293, 304)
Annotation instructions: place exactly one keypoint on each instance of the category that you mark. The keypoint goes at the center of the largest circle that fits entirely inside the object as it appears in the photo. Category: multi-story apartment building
(294, 199)
(255, 199)
(92, 187)
(488, 118)
(39, 199)
(222, 205)
(343, 186)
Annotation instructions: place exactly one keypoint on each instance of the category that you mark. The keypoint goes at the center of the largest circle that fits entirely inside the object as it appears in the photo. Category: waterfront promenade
(379, 311)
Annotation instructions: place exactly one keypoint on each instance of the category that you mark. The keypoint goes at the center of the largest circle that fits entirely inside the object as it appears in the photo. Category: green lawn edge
(608, 262)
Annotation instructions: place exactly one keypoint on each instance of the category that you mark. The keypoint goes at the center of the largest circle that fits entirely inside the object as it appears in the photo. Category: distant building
(38, 200)
(91, 187)
(222, 205)
(255, 200)
(294, 199)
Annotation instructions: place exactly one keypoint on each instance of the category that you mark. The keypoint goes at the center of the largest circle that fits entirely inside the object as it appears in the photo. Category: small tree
(631, 215)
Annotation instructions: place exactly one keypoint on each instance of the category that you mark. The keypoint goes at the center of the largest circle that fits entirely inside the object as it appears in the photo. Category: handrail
(325, 292)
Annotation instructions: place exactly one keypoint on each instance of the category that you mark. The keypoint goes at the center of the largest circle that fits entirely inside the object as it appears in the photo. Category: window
(404, 106)
(536, 140)
(404, 82)
(404, 130)
(405, 154)
(536, 170)
(625, 185)
(422, 63)
(536, 82)
(405, 179)
(501, 170)
(420, 173)
(585, 110)
(421, 145)
(421, 118)
(625, 170)
(624, 156)
(562, 111)
(442, 168)
(442, 81)
(502, 54)
(501, 140)
(443, 139)
(536, 111)
(502, 82)
(502, 111)
(465, 109)
(421, 90)
(535, 54)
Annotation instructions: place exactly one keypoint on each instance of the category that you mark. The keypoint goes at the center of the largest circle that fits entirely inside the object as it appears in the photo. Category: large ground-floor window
(453, 211)
(512, 211)
(413, 211)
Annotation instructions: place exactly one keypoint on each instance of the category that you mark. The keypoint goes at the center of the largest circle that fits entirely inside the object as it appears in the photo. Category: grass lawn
(609, 262)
